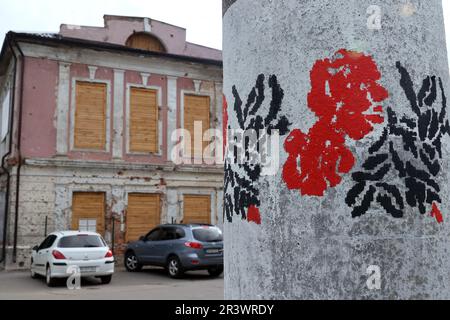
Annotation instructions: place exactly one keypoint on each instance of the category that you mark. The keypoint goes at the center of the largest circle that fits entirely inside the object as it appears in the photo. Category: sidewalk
(151, 284)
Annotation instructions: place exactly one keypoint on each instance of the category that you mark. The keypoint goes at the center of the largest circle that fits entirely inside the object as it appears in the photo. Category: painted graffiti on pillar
(420, 137)
(346, 98)
(242, 197)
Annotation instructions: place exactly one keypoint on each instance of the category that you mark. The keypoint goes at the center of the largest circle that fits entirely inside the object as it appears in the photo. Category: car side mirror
(36, 248)
(142, 239)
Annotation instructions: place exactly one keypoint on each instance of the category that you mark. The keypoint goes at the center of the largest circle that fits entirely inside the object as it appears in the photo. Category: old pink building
(87, 117)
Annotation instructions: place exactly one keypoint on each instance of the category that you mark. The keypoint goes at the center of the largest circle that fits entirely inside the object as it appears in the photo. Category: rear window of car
(81, 241)
(207, 234)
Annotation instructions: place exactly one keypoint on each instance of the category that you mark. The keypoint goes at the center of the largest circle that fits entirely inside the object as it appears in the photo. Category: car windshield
(208, 234)
(81, 241)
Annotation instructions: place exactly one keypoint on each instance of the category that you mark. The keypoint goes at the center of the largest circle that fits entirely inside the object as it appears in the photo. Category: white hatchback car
(61, 252)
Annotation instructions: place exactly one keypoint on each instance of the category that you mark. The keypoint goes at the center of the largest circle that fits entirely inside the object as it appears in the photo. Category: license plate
(88, 269)
(213, 251)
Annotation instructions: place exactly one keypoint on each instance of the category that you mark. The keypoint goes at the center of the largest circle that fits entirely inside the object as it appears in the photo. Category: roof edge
(5, 52)
(58, 39)
(118, 17)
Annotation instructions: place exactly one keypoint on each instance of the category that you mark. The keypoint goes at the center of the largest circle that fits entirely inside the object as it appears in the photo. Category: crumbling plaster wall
(46, 191)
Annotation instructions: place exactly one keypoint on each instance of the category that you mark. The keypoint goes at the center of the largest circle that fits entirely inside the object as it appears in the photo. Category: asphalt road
(150, 284)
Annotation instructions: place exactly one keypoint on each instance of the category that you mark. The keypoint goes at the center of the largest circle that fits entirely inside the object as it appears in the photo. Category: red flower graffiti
(346, 97)
(253, 215)
(436, 213)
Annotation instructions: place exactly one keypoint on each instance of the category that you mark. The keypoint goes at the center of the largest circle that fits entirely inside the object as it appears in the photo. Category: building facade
(86, 133)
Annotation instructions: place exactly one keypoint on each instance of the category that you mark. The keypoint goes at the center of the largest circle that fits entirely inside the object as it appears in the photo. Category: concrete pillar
(360, 204)
(172, 205)
(172, 100)
(62, 112)
(119, 93)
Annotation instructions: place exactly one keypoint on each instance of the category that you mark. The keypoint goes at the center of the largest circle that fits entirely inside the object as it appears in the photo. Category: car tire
(215, 271)
(132, 263)
(51, 282)
(174, 267)
(106, 279)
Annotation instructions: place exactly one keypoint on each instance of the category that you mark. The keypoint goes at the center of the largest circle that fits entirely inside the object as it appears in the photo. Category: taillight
(58, 255)
(194, 245)
(109, 254)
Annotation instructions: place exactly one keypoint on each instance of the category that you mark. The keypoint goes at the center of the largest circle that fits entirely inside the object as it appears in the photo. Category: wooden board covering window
(145, 41)
(90, 116)
(144, 126)
(197, 209)
(88, 206)
(143, 214)
(196, 108)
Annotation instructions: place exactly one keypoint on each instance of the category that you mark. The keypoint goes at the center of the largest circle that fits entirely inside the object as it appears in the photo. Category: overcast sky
(201, 18)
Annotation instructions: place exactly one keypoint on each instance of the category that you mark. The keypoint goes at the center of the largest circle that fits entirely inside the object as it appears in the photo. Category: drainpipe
(19, 155)
(3, 164)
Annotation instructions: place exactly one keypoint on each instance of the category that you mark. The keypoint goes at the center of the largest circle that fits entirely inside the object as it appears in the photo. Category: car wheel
(132, 263)
(106, 279)
(174, 268)
(48, 277)
(215, 271)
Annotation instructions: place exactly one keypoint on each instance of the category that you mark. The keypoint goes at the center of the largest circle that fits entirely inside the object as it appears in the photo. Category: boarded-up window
(145, 41)
(197, 209)
(197, 108)
(144, 120)
(90, 116)
(143, 214)
(87, 206)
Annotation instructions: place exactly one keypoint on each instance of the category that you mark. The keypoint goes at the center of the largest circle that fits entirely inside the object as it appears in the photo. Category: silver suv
(178, 248)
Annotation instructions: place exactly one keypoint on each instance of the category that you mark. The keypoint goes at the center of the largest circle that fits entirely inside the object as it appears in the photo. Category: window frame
(157, 229)
(88, 225)
(102, 241)
(144, 191)
(202, 195)
(73, 106)
(212, 116)
(152, 36)
(178, 232)
(88, 191)
(159, 99)
(182, 192)
(197, 236)
(47, 241)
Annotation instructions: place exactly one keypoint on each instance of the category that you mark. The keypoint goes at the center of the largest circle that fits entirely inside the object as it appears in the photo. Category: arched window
(145, 41)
